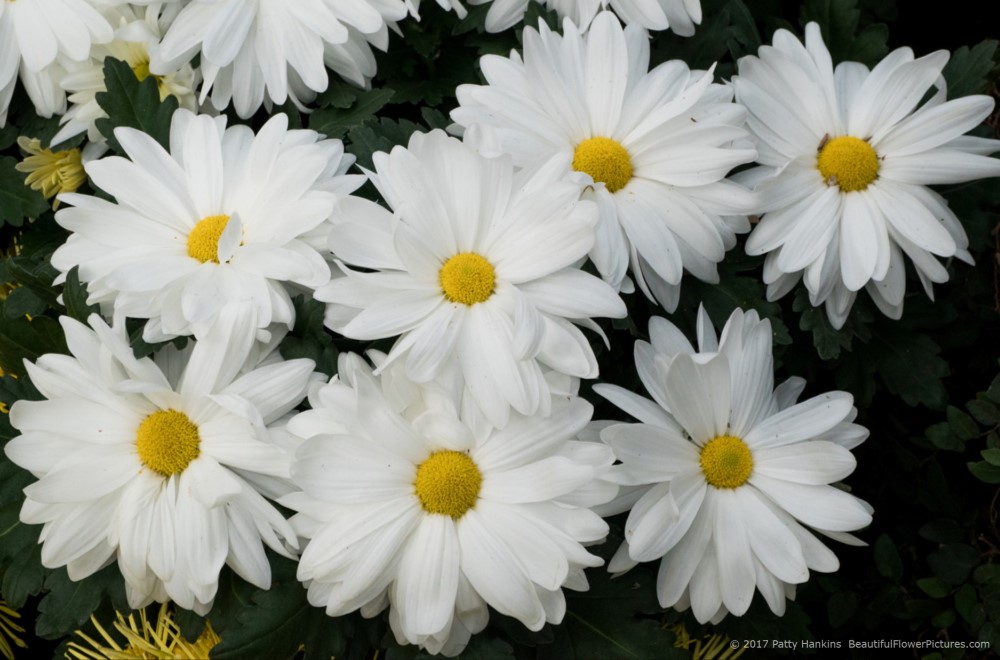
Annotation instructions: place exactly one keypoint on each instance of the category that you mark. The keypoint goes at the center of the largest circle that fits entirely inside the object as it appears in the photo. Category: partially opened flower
(274, 50)
(137, 35)
(437, 520)
(477, 266)
(224, 216)
(151, 463)
(846, 157)
(653, 148)
(737, 475)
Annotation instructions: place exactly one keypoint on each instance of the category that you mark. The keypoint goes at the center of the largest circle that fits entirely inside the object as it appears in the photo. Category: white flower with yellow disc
(150, 462)
(846, 156)
(478, 265)
(654, 147)
(733, 474)
(223, 216)
(437, 520)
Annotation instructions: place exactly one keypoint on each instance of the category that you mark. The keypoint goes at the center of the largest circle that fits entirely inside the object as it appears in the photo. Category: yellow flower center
(448, 483)
(203, 241)
(141, 70)
(726, 462)
(167, 442)
(467, 278)
(847, 162)
(605, 160)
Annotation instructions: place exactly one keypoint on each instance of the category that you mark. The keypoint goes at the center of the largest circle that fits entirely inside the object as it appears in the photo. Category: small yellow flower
(51, 172)
(143, 640)
(9, 630)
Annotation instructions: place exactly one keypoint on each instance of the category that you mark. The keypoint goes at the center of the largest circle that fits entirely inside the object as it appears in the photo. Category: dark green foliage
(133, 104)
(18, 202)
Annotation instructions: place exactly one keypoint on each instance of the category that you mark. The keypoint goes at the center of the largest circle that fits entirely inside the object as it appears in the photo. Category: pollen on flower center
(605, 160)
(448, 483)
(203, 241)
(848, 162)
(167, 442)
(467, 278)
(726, 462)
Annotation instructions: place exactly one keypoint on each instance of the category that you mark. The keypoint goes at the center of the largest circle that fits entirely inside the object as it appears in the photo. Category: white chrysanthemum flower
(678, 15)
(148, 462)
(846, 156)
(225, 216)
(733, 471)
(477, 265)
(437, 520)
(137, 36)
(654, 147)
(34, 34)
(254, 51)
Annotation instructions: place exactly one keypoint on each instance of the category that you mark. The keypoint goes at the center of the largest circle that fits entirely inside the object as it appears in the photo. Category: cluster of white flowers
(452, 473)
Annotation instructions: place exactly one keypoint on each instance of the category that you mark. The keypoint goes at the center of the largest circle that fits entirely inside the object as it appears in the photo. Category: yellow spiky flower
(9, 630)
(51, 172)
(159, 641)
(707, 647)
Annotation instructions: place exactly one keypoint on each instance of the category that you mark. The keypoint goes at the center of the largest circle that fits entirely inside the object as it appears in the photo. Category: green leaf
(987, 574)
(944, 619)
(985, 472)
(736, 291)
(968, 70)
(887, 559)
(967, 602)
(603, 622)
(75, 297)
(23, 302)
(953, 562)
(911, 367)
(277, 621)
(68, 604)
(21, 339)
(992, 456)
(838, 20)
(841, 607)
(17, 201)
(382, 135)
(933, 587)
(961, 424)
(942, 530)
(308, 338)
(985, 412)
(828, 341)
(941, 437)
(335, 122)
(133, 104)
(23, 575)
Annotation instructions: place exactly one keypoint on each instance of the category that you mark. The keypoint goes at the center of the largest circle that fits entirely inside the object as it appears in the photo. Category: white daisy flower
(137, 35)
(734, 471)
(678, 15)
(436, 520)
(254, 51)
(846, 155)
(224, 216)
(653, 146)
(143, 461)
(33, 35)
(478, 266)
